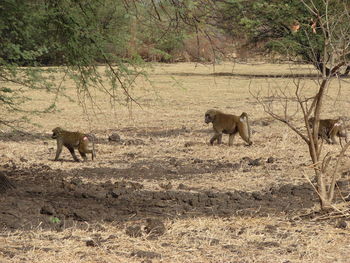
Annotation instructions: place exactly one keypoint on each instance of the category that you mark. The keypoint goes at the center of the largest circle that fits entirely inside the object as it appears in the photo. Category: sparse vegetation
(157, 192)
(217, 203)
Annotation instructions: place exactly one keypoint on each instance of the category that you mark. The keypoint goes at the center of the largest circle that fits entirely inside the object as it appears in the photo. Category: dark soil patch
(49, 198)
(156, 132)
(5, 184)
(20, 136)
(161, 169)
(249, 76)
(58, 199)
(152, 132)
(145, 254)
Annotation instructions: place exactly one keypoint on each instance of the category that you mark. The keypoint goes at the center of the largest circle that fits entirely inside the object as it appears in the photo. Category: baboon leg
(71, 149)
(218, 137)
(92, 154)
(329, 137)
(59, 150)
(212, 140)
(230, 138)
(84, 149)
(327, 140)
(83, 155)
(322, 133)
(333, 140)
(325, 137)
(332, 135)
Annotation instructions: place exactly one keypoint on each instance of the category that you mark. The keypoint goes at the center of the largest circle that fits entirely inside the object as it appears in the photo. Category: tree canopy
(295, 29)
(78, 35)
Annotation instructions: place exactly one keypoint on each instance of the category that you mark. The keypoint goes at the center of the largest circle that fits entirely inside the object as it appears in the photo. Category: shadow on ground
(57, 199)
(160, 169)
(232, 74)
(20, 136)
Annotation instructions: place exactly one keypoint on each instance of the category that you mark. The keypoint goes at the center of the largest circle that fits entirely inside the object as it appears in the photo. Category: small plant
(55, 220)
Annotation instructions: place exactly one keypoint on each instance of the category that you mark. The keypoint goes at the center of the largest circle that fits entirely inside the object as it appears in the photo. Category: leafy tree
(268, 25)
(159, 28)
(331, 52)
(72, 34)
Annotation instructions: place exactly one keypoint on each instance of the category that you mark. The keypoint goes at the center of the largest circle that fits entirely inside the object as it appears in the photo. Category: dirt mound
(57, 199)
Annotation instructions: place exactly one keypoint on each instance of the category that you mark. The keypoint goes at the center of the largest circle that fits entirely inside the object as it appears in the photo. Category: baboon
(228, 124)
(73, 140)
(329, 128)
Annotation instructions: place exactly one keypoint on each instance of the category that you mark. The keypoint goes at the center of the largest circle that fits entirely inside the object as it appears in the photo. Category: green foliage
(157, 29)
(55, 220)
(268, 24)
(74, 35)
(19, 30)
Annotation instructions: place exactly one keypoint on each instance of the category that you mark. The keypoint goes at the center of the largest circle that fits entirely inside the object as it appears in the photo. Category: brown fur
(72, 140)
(329, 128)
(228, 124)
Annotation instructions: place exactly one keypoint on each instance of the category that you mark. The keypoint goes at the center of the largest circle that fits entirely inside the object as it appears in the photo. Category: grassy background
(176, 100)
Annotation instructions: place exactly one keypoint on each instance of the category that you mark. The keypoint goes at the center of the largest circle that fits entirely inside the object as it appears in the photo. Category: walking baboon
(228, 124)
(73, 140)
(329, 128)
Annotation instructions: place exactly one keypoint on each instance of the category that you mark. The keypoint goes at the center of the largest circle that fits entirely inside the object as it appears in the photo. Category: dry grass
(177, 99)
(191, 240)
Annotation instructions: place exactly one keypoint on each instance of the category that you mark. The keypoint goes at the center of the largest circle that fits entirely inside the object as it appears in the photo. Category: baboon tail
(92, 140)
(242, 118)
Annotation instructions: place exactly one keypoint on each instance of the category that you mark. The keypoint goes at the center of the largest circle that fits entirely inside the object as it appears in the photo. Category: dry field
(162, 194)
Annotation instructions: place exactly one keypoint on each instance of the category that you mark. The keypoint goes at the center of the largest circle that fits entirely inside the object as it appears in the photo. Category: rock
(154, 227)
(47, 210)
(22, 159)
(257, 196)
(255, 162)
(134, 231)
(270, 160)
(182, 187)
(91, 243)
(167, 186)
(114, 137)
(214, 241)
(342, 224)
(145, 254)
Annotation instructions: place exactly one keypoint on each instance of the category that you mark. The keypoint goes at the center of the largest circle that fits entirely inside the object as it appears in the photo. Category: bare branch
(335, 171)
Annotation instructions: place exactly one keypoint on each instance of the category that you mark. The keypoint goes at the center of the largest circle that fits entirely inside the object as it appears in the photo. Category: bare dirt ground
(161, 193)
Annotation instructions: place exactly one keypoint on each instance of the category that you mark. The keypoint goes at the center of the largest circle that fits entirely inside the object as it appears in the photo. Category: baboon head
(56, 132)
(210, 116)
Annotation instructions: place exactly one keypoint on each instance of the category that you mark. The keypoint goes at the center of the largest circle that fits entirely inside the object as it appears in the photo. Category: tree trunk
(320, 66)
(321, 190)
